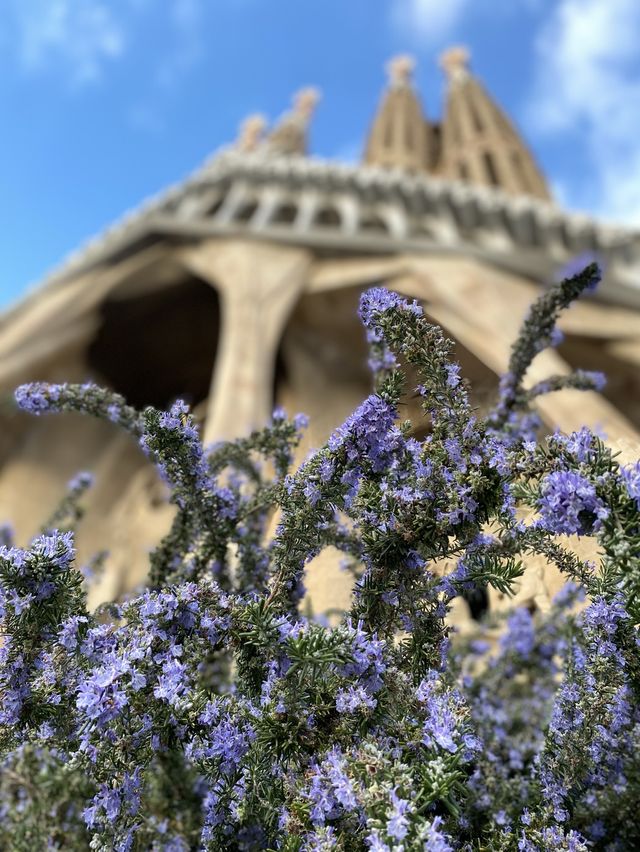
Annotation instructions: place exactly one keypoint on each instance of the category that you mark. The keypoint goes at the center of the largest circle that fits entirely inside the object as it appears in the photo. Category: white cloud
(80, 36)
(588, 83)
(80, 39)
(427, 20)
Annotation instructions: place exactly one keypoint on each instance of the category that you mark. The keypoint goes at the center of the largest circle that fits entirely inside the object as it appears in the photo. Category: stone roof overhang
(374, 211)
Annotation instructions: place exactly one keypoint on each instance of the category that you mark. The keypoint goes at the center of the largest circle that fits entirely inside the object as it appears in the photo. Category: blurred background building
(237, 290)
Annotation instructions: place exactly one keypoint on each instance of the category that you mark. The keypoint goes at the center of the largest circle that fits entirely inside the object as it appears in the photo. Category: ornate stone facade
(238, 289)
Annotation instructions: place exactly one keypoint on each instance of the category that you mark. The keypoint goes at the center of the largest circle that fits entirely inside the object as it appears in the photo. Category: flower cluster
(214, 712)
(569, 504)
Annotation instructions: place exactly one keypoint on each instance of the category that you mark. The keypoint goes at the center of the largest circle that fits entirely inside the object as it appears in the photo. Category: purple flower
(323, 801)
(106, 803)
(57, 548)
(37, 397)
(436, 840)
(604, 616)
(367, 659)
(568, 504)
(520, 635)
(397, 820)
(300, 421)
(369, 434)
(453, 375)
(354, 698)
(331, 788)
(100, 697)
(440, 724)
(631, 479)
(172, 683)
(581, 444)
(185, 467)
(335, 766)
(375, 843)
(68, 635)
(19, 603)
(377, 300)
(81, 481)
(225, 738)
(594, 377)
(312, 492)
(556, 337)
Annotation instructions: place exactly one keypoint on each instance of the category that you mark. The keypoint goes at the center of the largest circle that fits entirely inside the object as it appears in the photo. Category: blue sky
(105, 102)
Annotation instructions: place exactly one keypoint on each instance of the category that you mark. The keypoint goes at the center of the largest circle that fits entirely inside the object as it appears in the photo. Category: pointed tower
(479, 143)
(290, 134)
(251, 133)
(399, 137)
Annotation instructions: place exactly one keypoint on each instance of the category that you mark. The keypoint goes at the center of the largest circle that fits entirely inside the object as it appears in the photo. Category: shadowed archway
(155, 346)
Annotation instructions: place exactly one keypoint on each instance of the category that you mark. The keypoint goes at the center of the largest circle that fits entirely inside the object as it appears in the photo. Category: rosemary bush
(209, 713)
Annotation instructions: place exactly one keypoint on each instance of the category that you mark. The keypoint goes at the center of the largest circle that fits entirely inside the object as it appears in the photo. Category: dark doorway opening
(159, 346)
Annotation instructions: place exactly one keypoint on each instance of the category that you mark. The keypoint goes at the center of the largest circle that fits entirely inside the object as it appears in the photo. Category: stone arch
(157, 341)
(372, 222)
(328, 216)
(215, 205)
(285, 213)
(246, 211)
(421, 229)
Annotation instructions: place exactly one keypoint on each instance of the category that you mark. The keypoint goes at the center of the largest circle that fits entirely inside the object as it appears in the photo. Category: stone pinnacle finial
(400, 70)
(251, 132)
(289, 136)
(455, 62)
(400, 137)
(478, 143)
(305, 101)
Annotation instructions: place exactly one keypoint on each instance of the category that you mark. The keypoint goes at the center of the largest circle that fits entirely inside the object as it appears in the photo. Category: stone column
(258, 285)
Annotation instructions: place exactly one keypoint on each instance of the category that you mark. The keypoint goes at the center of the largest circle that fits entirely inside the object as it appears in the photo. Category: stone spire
(479, 144)
(251, 133)
(399, 135)
(289, 136)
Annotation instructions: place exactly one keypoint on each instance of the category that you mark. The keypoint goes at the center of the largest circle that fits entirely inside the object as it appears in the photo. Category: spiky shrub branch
(209, 713)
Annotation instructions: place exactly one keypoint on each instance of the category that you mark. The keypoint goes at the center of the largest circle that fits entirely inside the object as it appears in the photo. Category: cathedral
(237, 290)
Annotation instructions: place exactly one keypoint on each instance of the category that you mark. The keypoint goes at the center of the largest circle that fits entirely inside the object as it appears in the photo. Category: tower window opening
(565, 238)
(490, 167)
(520, 170)
(475, 115)
(408, 135)
(456, 133)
